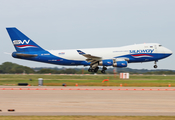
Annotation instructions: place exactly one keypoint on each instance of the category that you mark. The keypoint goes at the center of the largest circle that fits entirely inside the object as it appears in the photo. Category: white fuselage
(110, 53)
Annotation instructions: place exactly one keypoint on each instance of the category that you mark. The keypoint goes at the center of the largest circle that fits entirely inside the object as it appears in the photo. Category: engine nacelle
(120, 64)
(112, 62)
(106, 62)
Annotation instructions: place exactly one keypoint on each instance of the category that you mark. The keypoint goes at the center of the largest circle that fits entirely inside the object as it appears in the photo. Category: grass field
(87, 117)
(89, 80)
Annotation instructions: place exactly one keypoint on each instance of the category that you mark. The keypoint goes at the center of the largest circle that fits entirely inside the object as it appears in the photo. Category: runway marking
(86, 89)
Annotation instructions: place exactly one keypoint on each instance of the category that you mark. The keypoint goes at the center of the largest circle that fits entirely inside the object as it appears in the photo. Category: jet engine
(113, 63)
(106, 62)
(120, 64)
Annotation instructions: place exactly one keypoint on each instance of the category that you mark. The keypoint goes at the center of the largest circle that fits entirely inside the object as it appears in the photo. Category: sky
(74, 24)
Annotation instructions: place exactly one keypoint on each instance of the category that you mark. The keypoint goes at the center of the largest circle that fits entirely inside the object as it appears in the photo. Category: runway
(88, 102)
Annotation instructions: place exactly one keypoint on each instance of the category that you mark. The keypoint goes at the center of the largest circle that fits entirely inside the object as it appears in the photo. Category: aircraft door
(155, 48)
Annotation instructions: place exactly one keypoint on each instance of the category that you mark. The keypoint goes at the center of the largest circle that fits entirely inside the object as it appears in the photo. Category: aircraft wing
(90, 58)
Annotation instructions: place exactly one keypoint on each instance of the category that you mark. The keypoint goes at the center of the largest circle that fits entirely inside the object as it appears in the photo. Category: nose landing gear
(155, 66)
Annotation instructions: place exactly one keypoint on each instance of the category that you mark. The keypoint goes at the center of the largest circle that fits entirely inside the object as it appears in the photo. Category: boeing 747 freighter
(94, 57)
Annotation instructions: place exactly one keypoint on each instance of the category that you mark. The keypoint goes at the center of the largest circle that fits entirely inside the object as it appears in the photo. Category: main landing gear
(95, 70)
(103, 69)
(155, 66)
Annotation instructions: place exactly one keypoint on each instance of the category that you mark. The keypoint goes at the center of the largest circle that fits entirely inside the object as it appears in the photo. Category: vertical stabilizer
(21, 42)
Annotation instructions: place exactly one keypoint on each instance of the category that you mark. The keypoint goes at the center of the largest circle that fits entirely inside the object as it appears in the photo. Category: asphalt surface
(88, 102)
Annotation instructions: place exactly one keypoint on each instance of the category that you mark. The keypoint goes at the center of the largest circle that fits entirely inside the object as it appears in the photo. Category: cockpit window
(160, 45)
(151, 46)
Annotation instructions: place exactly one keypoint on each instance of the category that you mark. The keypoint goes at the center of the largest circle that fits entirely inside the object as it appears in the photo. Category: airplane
(94, 57)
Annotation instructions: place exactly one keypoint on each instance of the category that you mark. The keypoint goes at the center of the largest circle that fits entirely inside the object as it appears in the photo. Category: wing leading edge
(90, 58)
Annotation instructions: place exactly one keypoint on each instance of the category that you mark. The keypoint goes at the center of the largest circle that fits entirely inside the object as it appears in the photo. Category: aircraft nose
(168, 51)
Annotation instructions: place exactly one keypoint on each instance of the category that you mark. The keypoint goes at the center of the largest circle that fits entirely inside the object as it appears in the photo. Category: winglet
(80, 52)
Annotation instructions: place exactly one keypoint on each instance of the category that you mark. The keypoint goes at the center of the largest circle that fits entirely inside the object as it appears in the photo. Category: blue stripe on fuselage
(47, 57)
(155, 57)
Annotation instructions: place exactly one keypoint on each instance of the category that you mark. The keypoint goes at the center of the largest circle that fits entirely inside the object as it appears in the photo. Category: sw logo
(17, 42)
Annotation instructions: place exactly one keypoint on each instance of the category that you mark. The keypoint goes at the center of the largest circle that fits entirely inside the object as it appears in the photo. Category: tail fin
(21, 42)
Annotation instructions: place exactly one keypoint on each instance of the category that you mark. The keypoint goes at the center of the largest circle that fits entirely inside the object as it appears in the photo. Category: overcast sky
(69, 24)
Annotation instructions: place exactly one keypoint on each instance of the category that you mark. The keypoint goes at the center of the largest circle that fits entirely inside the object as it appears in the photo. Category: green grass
(87, 117)
(89, 80)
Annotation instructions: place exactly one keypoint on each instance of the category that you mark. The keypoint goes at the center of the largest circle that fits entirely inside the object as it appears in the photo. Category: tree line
(13, 68)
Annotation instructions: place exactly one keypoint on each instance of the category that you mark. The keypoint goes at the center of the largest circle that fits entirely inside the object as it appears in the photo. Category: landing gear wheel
(104, 68)
(92, 70)
(155, 66)
(103, 71)
(96, 69)
(89, 70)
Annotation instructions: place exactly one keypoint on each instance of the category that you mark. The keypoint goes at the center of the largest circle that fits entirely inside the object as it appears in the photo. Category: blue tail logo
(24, 43)
(17, 42)
(21, 42)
